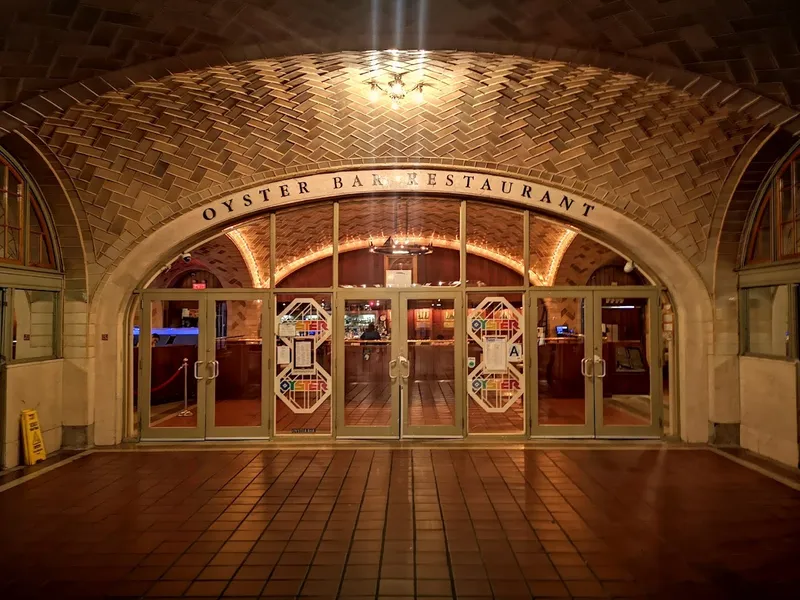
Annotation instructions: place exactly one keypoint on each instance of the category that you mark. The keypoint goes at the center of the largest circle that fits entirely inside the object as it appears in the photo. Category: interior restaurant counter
(627, 369)
(368, 360)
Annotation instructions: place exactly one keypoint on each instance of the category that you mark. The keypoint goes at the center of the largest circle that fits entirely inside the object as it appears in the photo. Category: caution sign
(32, 438)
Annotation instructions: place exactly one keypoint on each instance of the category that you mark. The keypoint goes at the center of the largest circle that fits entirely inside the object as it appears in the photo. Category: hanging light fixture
(391, 247)
(396, 90)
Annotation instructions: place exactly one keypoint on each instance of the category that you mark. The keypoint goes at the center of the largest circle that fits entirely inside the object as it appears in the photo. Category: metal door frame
(399, 298)
(147, 432)
(586, 430)
(456, 430)
(343, 431)
(655, 429)
(592, 368)
(212, 431)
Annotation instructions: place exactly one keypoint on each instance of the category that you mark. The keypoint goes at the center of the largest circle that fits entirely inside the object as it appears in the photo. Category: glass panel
(39, 244)
(303, 364)
(399, 242)
(761, 249)
(304, 247)
(496, 392)
(625, 326)
(768, 320)
(13, 243)
(560, 350)
(34, 325)
(249, 267)
(13, 227)
(237, 391)
(495, 238)
(430, 383)
(787, 239)
(367, 353)
(173, 343)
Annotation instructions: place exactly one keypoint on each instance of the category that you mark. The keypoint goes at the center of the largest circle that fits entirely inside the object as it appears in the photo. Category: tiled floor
(400, 523)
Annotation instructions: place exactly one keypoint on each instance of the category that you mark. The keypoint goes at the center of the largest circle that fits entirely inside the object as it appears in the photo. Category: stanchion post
(185, 412)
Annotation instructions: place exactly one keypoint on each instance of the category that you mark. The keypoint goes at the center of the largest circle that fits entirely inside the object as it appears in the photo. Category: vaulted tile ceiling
(143, 156)
(50, 44)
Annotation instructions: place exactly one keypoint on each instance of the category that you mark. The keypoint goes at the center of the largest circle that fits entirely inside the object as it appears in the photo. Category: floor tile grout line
(272, 460)
(444, 528)
(757, 468)
(413, 508)
(528, 483)
(283, 502)
(471, 518)
(45, 470)
(549, 512)
(385, 525)
(199, 486)
(355, 527)
(499, 520)
(330, 514)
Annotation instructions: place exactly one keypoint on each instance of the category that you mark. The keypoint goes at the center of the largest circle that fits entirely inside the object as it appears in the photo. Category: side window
(767, 326)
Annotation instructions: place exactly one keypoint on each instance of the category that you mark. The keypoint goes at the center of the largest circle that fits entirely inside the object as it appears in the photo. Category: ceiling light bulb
(418, 96)
(397, 89)
(395, 105)
(374, 94)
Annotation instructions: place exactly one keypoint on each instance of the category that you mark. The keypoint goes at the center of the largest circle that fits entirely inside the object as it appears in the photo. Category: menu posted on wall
(496, 354)
(287, 329)
(284, 355)
(303, 354)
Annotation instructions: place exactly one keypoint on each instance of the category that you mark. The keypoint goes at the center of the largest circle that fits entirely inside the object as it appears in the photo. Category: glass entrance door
(596, 363)
(236, 380)
(202, 369)
(399, 366)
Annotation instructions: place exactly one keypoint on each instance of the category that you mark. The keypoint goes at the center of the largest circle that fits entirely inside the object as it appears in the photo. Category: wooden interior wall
(360, 267)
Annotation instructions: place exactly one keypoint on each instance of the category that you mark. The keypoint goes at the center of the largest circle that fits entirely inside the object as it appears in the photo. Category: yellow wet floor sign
(32, 438)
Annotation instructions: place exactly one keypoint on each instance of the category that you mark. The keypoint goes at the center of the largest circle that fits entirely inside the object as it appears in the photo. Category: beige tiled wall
(39, 386)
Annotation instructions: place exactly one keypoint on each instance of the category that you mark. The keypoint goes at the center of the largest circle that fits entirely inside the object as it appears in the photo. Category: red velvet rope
(168, 381)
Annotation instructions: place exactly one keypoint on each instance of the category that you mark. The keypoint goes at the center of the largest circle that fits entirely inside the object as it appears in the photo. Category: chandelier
(396, 90)
(392, 248)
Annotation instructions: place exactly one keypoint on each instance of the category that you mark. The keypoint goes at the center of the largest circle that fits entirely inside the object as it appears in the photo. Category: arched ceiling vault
(142, 156)
(57, 53)
(549, 240)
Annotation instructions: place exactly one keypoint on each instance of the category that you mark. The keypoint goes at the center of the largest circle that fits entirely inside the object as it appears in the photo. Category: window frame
(770, 190)
(32, 204)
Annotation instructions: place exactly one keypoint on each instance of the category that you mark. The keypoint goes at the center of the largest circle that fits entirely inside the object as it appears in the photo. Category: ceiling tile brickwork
(583, 257)
(143, 156)
(52, 44)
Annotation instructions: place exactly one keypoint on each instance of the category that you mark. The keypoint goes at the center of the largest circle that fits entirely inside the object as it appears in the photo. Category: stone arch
(691, 297)
(729, 228)
(76, 253)
(657, 151)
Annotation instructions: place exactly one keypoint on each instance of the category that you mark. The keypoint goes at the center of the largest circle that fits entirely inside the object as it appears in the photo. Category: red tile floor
(400, 523)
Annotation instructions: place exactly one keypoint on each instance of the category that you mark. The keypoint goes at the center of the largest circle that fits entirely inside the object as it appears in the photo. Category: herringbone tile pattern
(53, 44)
(142, 156)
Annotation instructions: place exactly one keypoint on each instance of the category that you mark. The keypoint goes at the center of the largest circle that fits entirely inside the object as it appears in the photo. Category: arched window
(775, 231)
(24, 235)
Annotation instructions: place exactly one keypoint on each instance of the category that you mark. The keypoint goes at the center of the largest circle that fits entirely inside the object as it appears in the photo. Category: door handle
(585, 362)
(406, 367)
(602, 363)
(197, 363)
(393, 370)
(214, 369)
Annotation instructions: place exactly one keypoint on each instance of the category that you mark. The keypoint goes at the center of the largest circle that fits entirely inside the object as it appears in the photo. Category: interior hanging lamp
(393, 247)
